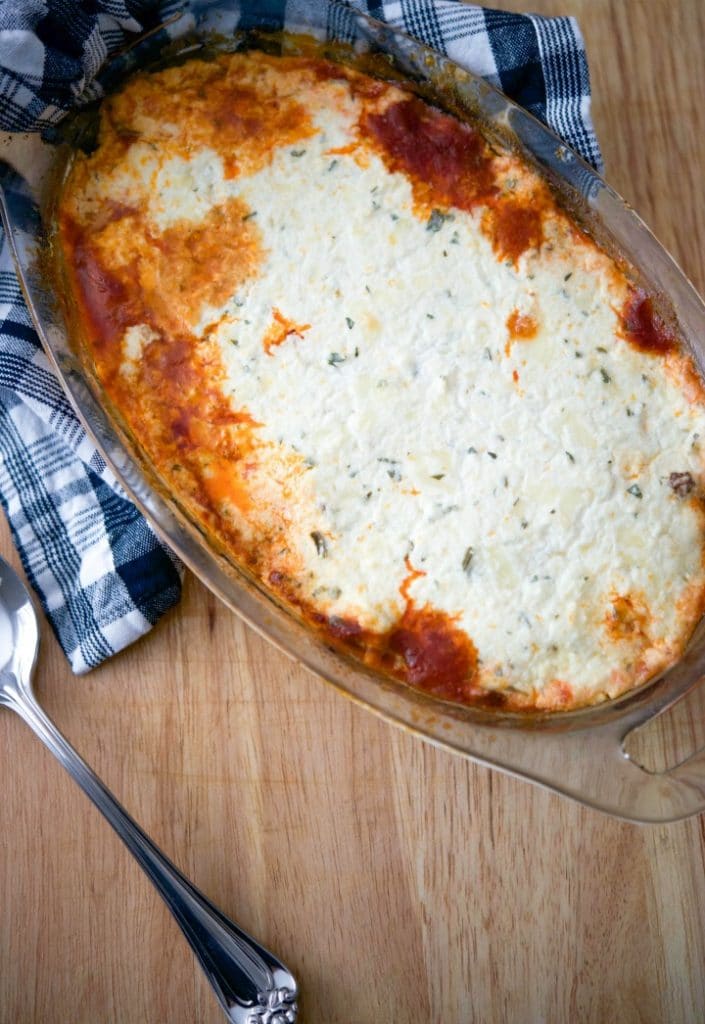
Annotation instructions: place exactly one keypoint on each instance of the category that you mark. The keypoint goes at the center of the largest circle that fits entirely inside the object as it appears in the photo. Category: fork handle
(251, 985)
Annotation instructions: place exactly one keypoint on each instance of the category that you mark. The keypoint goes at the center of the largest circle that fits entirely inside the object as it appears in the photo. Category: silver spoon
(252, 986)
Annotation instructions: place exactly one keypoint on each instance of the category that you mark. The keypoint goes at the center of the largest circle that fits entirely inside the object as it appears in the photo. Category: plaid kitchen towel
(100, 573)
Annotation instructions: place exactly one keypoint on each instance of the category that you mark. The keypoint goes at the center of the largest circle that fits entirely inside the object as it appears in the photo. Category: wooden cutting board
(401, 883)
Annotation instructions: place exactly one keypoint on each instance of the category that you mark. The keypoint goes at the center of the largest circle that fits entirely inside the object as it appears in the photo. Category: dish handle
(585, 755)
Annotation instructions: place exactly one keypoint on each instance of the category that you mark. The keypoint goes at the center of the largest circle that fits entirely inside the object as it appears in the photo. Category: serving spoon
(251, 985)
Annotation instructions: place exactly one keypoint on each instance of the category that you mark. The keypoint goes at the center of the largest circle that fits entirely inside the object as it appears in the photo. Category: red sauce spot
(344, 629)
(412, 574)
(627, 618)
(424, 647)
(181, 427)
(328, 70)
(427, 648)
(449, 163)
(521, 326)
(231, 168)
(107, 306)
(234, 112)
(642, 326)
(346, 150)
(515, 376)
(360, 85)
(514, 228)
(438, 657)
(280, 330)
(223, 486)
(111, 211)
(370, 88)
(562, 692)
(172, 361)
(243, 416)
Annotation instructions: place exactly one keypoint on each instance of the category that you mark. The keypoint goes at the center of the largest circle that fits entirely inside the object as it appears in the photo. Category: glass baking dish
(580, 754)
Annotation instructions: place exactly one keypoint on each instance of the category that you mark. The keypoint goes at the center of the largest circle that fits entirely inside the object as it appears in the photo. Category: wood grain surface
(400, 882)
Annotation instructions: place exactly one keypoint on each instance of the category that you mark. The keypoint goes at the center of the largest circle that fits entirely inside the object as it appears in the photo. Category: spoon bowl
(250, 983)
(19, 629)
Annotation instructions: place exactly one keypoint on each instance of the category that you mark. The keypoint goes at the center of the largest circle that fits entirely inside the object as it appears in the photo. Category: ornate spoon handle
(252, 986)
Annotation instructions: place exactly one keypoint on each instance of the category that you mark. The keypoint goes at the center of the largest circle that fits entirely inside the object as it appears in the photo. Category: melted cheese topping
(377, 361)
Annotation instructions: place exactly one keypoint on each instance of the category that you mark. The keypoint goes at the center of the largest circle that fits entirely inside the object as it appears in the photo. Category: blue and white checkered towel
(101, 574)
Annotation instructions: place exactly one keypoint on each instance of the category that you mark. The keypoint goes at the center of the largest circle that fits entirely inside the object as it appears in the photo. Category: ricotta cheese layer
(372, 355)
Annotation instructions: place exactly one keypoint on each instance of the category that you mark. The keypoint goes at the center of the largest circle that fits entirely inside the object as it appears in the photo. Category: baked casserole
(386, 371)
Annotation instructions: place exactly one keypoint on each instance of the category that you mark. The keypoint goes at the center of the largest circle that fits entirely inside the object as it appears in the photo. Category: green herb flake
(349, 322)
(437, 476)
(601, 348)
(472, 451)
(335, 359)
(467, 560)
(568, 275)
(430, 316)
(249, 216)
(635, 490)
(394, 473)
(320, 541)
(605, 375)
(492, 455)
(296, 153)
(436, 220)
(570, 456)
(333, 164)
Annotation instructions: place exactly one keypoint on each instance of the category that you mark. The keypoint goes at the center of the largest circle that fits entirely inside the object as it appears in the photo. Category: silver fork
(251, 985)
